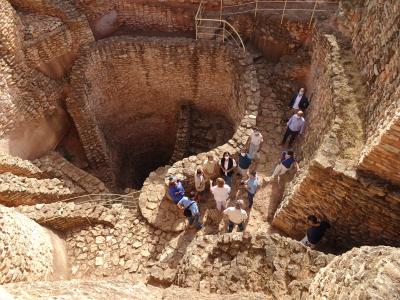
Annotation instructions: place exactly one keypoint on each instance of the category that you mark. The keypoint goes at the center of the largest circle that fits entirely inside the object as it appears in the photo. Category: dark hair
(254, 173)
(290, 152)
(256, 129)
(225, 153)
(313, 219)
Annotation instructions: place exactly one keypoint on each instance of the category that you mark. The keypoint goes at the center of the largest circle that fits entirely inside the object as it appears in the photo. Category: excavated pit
(131, 92)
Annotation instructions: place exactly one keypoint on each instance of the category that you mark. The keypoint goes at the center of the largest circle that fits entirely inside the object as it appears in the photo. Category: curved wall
(127, 94)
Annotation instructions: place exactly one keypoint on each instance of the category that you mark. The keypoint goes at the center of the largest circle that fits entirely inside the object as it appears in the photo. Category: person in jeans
(244, 164)
(299, 101)
(227, 164)
(175, 190)
(254, 142)
(236, 216)
(251, 187)
(221, 193)
(295, 126)
(191, 211)
(287, 161)
(199, 184)
(315, 232)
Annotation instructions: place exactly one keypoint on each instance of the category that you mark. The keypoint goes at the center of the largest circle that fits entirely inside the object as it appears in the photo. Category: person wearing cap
(254, 142)
(221, 193)
(210, 167)
(199, 184)
(295, 126)
(236, 216)
(191, 211)
(175, 190)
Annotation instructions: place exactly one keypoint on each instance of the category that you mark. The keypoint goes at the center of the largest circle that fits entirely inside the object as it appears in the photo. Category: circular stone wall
(362, 273)
(25, 249)
(127, 94)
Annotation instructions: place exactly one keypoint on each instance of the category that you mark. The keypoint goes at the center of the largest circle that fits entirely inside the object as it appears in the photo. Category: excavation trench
(129, 95)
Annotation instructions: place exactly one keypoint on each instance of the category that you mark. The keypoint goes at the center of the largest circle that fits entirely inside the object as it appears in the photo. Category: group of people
(222, 172)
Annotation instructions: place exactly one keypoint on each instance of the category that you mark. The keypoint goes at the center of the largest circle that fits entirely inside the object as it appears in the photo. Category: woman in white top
(221, 193)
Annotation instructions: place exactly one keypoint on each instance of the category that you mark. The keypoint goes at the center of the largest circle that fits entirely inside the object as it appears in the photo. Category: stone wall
(18, 190)
(54, 165)
(166, 72)
(230, 263)
(374, 28)
(18, 166)
(342, 278)
(361, 210)
(106, 289)
(65, 216)
(25, 94)
(27, 252)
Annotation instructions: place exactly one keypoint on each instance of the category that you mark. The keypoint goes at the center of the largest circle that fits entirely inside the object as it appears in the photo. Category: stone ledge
(64, 216)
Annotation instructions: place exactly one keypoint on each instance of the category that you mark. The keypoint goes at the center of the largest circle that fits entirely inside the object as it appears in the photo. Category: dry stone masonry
(102, 101)
(26, 249)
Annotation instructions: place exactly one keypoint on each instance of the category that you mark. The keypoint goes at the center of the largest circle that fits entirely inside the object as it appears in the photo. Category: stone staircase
(182, 134)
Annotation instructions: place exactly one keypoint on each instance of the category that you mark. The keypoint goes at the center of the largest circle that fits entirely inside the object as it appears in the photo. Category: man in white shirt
(295, 126)
(236, 216)
(254, 142)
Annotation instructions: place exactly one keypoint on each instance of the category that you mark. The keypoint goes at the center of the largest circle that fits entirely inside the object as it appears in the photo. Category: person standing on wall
(199, 184)
(210, 167)
(295, 126)
(299, 101)
(221, 193)
(236, 216)
(254, 142)
(315, 232)
(227, 164)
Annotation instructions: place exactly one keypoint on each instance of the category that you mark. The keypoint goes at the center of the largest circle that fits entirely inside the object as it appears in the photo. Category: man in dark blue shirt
(175, 190)
(315, 232)
(244, 163)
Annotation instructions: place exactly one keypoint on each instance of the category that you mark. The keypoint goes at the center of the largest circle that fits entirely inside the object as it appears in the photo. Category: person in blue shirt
(315, 232)
(286, 162)
(191, 211)
(251, 187)
(244, 164)
(175, 190)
